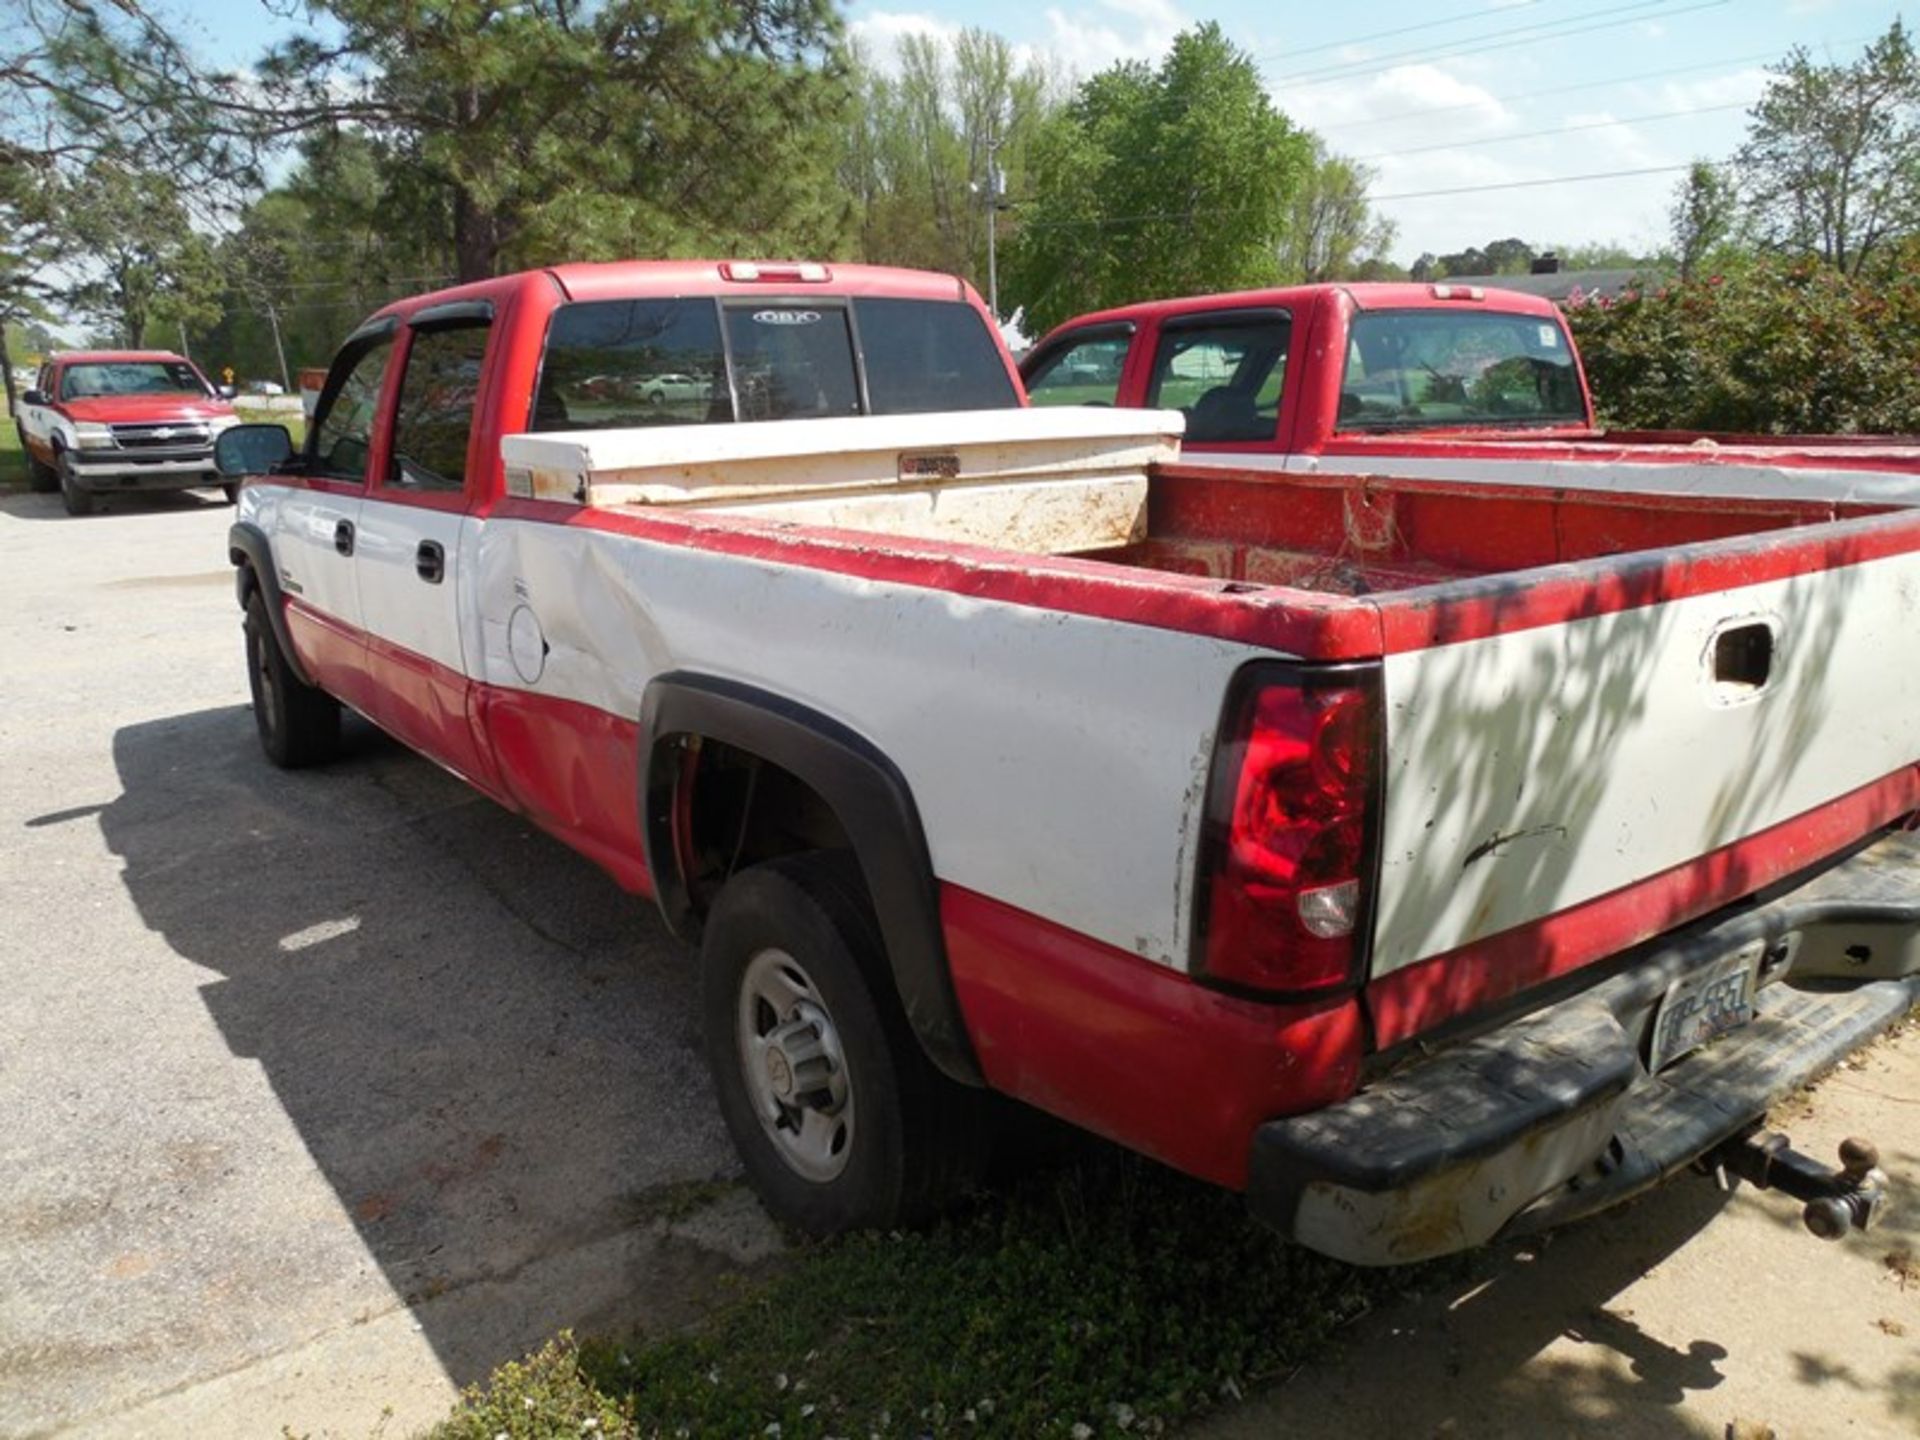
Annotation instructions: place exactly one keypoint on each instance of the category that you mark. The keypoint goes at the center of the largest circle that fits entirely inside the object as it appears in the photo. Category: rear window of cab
(1428, 369)
(618, 363)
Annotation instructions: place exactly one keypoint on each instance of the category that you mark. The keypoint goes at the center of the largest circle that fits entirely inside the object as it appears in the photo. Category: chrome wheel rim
(794, 1067)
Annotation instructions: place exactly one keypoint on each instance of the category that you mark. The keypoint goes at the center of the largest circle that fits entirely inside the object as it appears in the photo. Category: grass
(13, 461)
(1109, 1299)
(294, 421)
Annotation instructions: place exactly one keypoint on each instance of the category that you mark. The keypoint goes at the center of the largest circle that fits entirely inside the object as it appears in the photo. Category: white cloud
(881, 32)
(1363, 116)
(1084, 39)
(1090, 38)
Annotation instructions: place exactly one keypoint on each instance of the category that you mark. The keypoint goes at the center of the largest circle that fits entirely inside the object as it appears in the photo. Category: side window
(343, 432)
(1081, 371)
(1227, 375)
(632, 362)
(433, 420)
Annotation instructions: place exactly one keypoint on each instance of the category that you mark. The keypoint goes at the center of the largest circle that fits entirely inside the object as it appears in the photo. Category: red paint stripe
(575, 770)
(1134, 1051)
(1418, 997)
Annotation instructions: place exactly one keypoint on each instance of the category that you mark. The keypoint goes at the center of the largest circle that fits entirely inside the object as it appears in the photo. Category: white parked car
(661, 389)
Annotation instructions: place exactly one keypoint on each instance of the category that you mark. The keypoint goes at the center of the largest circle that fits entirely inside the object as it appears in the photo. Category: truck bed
(1365, 535)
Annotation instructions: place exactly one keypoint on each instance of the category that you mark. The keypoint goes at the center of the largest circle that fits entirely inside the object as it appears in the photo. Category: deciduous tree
(1154, 181)
(137, 256)
(1332, 231)
(1831, 164)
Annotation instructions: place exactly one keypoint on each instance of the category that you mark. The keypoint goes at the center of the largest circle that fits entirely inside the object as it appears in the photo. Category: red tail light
(1288, 864)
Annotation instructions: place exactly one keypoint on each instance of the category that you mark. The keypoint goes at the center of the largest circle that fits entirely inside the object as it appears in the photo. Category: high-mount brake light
(806, 273)
(1458, 292)
(1288, 858)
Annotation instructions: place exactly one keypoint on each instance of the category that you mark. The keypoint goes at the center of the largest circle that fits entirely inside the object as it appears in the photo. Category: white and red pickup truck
(1439, 381)
(99, 422)
(1426, 859)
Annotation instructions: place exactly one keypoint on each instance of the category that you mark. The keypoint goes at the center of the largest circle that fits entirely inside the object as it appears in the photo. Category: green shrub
(1769, 346)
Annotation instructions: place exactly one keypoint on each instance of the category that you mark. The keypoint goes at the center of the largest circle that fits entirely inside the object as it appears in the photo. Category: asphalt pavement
(321, 1093)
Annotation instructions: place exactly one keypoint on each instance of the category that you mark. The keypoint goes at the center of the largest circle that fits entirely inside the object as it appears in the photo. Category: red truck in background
(99, 421)
(1436, 381)
(1424, 859)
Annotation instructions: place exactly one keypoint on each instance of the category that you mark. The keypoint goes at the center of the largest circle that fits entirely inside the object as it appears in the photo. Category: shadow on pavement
(1463, 1356)
(489, 1050)
(28, 505)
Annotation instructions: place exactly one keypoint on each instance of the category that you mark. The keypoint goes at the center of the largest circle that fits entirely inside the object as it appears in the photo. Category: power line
(1557, 130)
(1568, 89)
(1145, 217)
(1499, 33)
(1277, 50)
(1394, 62)
(1550, 180)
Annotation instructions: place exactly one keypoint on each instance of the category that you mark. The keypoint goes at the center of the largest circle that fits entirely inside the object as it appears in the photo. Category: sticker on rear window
(1549, 337)
(786, 317)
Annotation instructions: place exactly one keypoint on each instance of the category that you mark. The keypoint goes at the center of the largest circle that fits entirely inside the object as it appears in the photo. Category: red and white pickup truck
(1433, 381)
(1426, 859)
(99, 421)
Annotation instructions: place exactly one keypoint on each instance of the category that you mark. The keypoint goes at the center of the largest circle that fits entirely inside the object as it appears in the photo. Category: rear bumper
(120, 470)
(1553, 1115)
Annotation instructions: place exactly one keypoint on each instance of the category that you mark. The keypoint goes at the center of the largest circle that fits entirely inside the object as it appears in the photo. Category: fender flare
(252, 553)
(868, 795)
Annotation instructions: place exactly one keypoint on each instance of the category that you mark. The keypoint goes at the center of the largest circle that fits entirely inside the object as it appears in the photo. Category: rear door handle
(430, 562)
(343, 537)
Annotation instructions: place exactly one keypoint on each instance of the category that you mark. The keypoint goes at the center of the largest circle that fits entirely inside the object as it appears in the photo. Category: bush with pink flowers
(1770, 346)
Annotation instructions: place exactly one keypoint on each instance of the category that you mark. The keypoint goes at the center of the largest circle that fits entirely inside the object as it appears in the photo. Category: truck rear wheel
(299, 725)
(841, 1120)
(40, 477)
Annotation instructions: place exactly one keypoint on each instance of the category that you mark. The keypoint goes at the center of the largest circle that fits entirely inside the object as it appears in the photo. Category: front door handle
(343, 537)
(430, 562)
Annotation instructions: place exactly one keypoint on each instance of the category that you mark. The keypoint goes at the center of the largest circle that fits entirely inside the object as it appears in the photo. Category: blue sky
(1455, 102)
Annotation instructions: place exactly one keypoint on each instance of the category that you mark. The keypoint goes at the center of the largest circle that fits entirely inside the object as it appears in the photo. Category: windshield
(130, 377)
(1427, 369)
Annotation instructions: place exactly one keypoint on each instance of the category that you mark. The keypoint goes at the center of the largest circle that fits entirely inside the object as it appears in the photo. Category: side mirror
(35, 397)
(251, 449)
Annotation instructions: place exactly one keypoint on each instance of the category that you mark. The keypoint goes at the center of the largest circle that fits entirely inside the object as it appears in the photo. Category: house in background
(1549, 280)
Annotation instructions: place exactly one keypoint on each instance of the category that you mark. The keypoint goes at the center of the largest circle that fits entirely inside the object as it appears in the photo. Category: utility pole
(273, 319)
(993, 225)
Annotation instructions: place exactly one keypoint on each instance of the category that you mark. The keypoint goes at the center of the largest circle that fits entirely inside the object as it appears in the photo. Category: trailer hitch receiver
(1836, 1201)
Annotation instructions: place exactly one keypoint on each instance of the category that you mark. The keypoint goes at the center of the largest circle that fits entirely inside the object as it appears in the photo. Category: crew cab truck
(1423, 858)
(1433, 381)
(101, 421)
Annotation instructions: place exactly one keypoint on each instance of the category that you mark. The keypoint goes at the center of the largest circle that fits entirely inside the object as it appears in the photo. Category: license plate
(1707, 1003)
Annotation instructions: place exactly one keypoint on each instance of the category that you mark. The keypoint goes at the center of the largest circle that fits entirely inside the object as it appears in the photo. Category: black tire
(232, 492)
(78, 501)
(656, 398)
(40, 477)
(915, 1139)
(299, 725)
